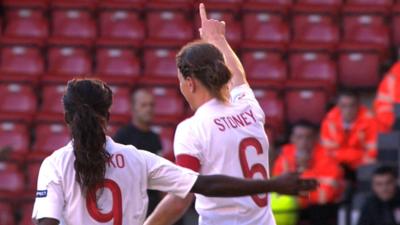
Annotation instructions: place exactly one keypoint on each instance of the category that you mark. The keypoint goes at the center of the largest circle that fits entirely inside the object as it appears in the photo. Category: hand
(210, 29)
(292, 184)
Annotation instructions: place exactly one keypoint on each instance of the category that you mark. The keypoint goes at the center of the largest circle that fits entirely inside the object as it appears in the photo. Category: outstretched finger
(203, 14)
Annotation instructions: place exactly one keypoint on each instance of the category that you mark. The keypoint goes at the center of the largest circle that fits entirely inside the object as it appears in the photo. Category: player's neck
(201, 99)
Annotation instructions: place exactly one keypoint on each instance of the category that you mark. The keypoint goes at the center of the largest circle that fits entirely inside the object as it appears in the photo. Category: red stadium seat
(169, 21)
(225, 1)
(316, 24)
(166, 134)
(50, 137)
(33, 172)
(277, 2)
(52, 99)
(117, 61)
(12, 181)
(168, 102)
(396, 24)
(366, 24)
(265, 23)
(273, 107)
(372, 2)
(359, 65)
(16, 136)
(6, 214)
(312, 62)
(26, 211)
(21, 60)
(224, 12)
(69, 58)
(121, 101)
(322, 2)
(305, 101)
(264, 62)
(17, 98)
(72, 19)
(26, 19)
(121, 21)
(159, 59)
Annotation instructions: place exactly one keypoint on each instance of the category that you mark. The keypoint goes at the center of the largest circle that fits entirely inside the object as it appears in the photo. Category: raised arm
(213, 32)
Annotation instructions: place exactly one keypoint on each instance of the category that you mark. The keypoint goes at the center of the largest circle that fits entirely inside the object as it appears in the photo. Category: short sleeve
(243, 93)
(168, 177)
(187, 141)
(49, 202)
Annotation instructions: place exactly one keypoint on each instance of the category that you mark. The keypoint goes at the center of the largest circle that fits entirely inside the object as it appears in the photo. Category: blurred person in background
(387, 96)
(139, 134)
(383, 207)
(306, 156)
(349, 133)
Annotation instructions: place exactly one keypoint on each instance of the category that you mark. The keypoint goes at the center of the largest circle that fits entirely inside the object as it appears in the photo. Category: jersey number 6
(249, 172)
(116, 211)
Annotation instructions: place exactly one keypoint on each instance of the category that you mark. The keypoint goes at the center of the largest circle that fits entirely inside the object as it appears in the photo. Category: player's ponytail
(86, 104)
(206, 63)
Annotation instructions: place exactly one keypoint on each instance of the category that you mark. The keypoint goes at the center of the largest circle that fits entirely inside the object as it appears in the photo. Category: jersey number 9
(116, 211)
(249, 172)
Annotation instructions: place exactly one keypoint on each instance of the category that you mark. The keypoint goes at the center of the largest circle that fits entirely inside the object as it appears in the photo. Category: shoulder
(126, 128)
(59, 159)
(288, 150)
(371, 202)
(333, 114)
(366, 114)
(188, 124)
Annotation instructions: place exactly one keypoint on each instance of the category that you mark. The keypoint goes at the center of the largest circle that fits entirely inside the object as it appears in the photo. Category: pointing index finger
(203, 14)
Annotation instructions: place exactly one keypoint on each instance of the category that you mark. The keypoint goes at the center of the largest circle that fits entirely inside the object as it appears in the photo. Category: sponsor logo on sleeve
(41, 193)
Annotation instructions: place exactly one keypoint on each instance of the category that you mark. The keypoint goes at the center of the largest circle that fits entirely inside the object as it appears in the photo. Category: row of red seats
(278, 2)
(19, 102)
(354, 65)
(166, 20)
(52, 135)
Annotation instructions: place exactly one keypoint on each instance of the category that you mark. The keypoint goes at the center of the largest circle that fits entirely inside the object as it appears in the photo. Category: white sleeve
(243, 93)
(187, 141)
(168, 177)
(49, 202)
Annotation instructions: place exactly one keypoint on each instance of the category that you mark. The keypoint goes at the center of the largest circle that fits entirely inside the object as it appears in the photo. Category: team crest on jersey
(41, 193)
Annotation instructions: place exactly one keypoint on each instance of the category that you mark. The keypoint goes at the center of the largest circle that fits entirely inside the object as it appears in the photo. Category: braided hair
(86, 104)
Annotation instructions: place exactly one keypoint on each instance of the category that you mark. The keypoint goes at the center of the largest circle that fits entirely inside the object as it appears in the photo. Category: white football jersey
(229, 139)
(123, 199)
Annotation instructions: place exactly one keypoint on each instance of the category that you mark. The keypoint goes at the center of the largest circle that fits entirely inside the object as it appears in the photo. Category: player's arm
(169, 210)
(224, 186)
(48, 221)
(213, 31)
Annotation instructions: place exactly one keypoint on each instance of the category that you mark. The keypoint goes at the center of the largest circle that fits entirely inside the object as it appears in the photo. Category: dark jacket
(377, 212)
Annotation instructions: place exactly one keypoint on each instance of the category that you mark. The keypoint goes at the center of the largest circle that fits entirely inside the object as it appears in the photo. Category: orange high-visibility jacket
(322, 167)
(388, 94)
(352, 147)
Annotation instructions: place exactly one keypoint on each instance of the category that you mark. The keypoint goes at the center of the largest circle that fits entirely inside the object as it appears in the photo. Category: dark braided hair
(86, 104)
(206, 63)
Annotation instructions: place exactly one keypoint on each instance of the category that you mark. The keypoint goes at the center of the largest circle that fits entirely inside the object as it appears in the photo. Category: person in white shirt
(93, 180)
(225, 135)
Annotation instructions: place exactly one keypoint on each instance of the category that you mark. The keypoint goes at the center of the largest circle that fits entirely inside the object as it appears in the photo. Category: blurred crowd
(347, 140)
